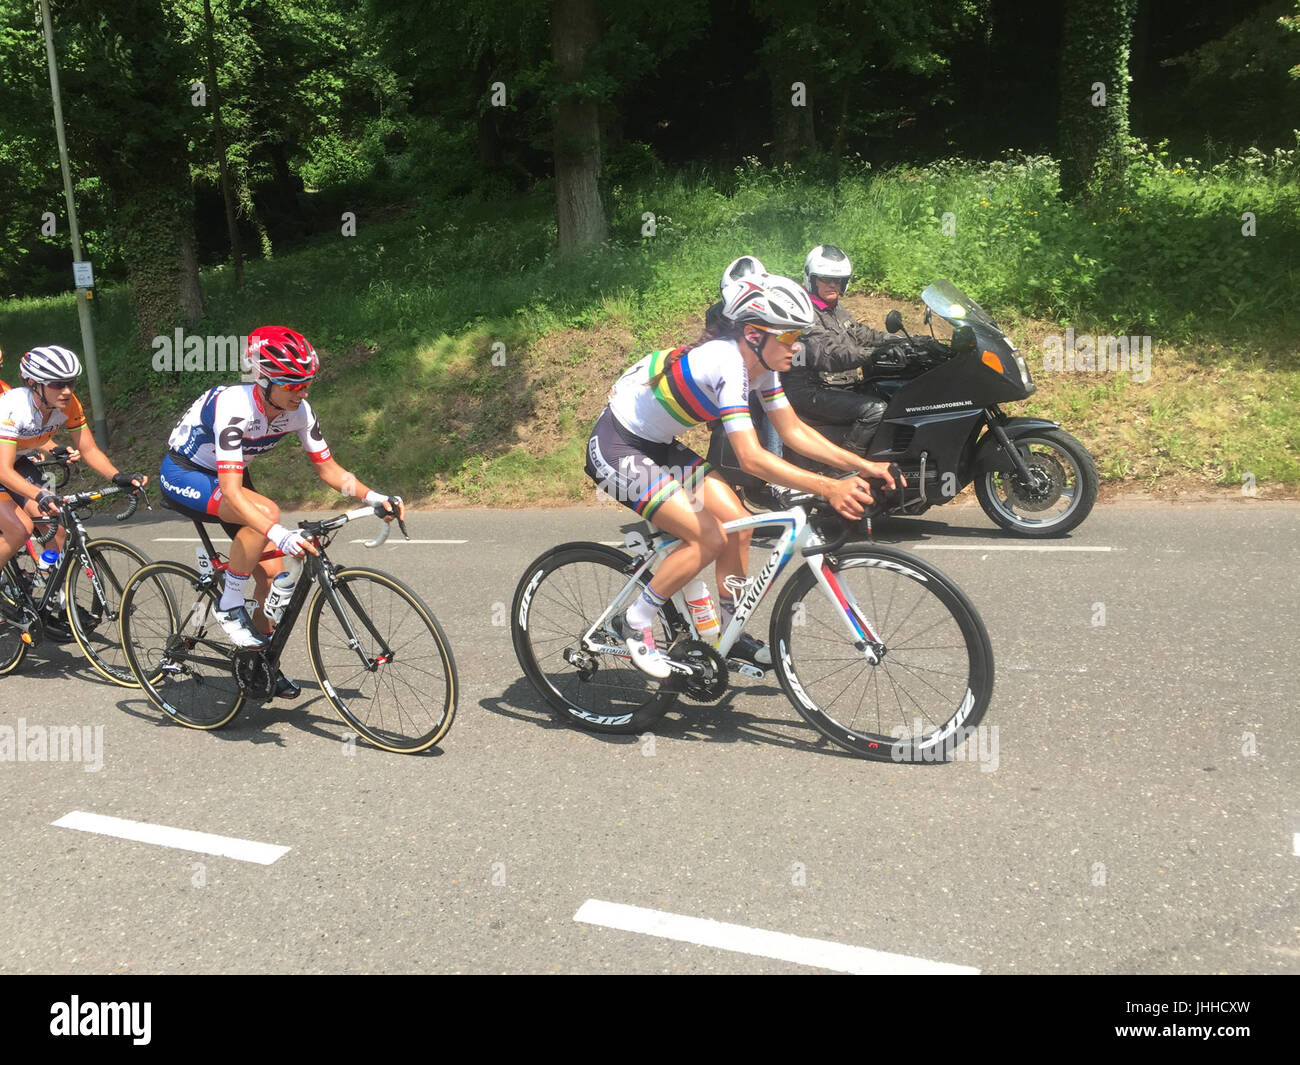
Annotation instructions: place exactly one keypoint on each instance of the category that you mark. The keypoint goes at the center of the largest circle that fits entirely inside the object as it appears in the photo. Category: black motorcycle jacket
(835, 346)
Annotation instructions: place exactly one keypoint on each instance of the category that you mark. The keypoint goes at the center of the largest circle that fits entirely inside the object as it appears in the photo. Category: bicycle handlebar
(315, 528)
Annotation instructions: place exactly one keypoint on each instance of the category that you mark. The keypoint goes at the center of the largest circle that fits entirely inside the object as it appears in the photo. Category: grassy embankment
(409, 314)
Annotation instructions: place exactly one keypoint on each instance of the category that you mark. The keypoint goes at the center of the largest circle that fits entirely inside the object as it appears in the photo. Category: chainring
(1035, 500)
(254, 674)
(711, 685)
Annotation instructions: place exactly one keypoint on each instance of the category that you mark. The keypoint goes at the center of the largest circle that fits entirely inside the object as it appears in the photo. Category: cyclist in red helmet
(205, 474)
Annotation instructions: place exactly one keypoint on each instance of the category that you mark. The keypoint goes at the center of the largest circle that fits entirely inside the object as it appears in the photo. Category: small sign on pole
(83, 275)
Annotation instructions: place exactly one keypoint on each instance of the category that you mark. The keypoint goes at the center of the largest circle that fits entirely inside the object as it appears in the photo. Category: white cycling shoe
(238, 625)
(641, 645)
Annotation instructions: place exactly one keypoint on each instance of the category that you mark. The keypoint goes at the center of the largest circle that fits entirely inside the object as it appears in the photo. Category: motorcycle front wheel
(1061, 495)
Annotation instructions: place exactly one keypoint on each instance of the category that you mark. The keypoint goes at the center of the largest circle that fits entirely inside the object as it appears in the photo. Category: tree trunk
(792, 117)
(579, 213)
(157, 233)
(227, 194)
(489, 141)
(838, 149)
(1097, 35)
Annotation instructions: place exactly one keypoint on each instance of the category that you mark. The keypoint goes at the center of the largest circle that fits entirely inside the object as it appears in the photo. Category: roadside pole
(81, 271)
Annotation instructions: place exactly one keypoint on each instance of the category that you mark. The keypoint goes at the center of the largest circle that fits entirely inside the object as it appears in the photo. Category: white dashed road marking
(245, 850)
(1295, 845)
(839, 957)
(396, 542)
(1003, 547)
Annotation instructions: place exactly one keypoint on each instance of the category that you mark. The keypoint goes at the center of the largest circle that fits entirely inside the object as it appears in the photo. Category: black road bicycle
(378, 653)
(77, 599)
(878, 650)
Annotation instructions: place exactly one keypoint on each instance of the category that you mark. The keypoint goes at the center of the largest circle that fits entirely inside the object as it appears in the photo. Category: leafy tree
(1094, 90)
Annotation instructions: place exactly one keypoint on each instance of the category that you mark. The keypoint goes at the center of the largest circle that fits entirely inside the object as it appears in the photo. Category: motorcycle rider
(821, 386)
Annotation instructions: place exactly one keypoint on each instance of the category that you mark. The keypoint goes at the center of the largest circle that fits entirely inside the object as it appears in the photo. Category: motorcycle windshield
(955, 307)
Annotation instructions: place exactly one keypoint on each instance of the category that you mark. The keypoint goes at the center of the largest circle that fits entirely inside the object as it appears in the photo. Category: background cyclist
(29, 418)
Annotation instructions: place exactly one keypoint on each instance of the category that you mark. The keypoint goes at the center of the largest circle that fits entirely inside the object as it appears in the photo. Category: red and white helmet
(768, 299)
(281, 355)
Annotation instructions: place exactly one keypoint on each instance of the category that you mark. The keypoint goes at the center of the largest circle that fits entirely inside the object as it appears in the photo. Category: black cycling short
(29, 472)
(641, 474)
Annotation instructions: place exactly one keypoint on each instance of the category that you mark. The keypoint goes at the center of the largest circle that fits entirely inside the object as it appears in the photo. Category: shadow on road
(723, 722)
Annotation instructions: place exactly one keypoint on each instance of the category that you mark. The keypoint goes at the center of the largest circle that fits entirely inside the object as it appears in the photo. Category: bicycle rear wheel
(92, 611)
(398, 689)
(176, 650)
(559, 597)
(934, 679)
(13, 648)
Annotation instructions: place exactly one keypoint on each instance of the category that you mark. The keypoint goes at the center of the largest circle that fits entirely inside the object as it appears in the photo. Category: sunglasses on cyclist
(293, 386)
(787, 337)
(58, 386)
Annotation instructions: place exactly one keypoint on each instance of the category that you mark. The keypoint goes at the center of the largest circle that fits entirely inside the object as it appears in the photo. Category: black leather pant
(861, 412)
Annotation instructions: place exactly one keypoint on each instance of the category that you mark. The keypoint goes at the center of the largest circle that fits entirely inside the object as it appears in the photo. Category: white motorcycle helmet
(826, 262)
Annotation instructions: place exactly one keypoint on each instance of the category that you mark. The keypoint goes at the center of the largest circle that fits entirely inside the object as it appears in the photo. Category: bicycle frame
(799, 536)
(75, 544)
(317, 571)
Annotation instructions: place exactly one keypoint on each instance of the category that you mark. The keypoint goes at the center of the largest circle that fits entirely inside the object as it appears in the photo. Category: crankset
(254, 674)
(705, 679)
(1048, 483)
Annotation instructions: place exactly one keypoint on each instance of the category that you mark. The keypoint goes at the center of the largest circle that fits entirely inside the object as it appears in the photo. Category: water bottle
(282, 591)
(205, 563)
(703, 612)
(44, 567)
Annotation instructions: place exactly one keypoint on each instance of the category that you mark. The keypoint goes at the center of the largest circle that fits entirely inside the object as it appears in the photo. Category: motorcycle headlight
(1024, 373)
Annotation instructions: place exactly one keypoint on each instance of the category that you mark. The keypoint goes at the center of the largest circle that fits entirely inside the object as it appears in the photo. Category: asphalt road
(1135, 811)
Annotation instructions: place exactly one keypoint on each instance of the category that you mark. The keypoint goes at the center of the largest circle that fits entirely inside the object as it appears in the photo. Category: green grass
(407, 313)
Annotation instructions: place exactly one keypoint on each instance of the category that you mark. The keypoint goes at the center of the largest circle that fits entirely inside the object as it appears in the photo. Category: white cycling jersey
(707, 383)
(230, 424)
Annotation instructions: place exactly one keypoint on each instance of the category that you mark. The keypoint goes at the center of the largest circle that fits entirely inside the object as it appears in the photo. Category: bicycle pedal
(746, 669)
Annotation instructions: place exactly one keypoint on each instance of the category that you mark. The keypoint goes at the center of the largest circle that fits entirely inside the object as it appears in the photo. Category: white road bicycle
(878, 650)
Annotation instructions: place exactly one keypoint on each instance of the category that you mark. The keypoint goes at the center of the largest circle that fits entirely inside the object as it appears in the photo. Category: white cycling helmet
(745, 266)
(49, 363)
(768, 299)
(829, 262)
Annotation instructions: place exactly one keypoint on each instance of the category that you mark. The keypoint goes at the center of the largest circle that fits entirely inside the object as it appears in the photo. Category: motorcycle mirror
(928, 316)
(893, 322)
(963, 337)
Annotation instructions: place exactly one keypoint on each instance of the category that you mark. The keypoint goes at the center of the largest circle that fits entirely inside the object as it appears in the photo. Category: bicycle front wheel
(397, 687)
(935, 674)
(558, 599)
(92, 603)
(176, 650)
(13, 648)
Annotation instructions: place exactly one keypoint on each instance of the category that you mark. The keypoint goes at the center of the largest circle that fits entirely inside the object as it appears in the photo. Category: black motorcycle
(944, 428)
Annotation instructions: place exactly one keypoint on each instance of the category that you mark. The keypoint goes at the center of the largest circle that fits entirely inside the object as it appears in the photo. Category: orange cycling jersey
(21, 423)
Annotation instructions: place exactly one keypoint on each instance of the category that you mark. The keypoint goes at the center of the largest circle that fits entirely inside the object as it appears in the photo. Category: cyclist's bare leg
(722, 502)
(247, 548)
(702, 541)
(15, 528)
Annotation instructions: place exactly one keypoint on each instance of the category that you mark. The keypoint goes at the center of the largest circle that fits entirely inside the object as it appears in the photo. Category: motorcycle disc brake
(710, 681)
(1032, 499)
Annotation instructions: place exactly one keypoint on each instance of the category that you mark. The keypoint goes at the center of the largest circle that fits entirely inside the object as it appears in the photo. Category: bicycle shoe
(286, 687)
(752, 650)
(641, 643)
(239, 627)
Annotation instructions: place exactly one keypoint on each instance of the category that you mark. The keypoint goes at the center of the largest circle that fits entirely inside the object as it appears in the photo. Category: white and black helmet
(745, 266)
(829, 262)
(768, 299)
(49, 363)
